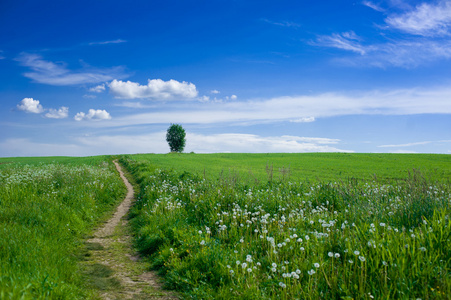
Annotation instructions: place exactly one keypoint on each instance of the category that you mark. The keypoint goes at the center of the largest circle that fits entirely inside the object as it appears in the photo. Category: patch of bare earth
(112, 265)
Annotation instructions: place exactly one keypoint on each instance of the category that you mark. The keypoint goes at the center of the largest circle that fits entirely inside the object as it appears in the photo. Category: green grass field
(296, 226)
(306, 166)
(237, 226)
(47, 206)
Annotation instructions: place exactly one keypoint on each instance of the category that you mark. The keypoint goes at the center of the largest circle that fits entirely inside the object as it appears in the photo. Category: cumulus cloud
(60, 113)
(30, 105)
(98, 89)
(155, 89)
(51, 73)
(215, 92)
(93, 114)
(427, 19)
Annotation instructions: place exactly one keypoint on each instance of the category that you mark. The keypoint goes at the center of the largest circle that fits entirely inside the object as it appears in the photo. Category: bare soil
(114, 268)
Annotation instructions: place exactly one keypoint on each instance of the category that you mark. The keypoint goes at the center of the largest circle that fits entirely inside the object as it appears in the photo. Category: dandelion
(307, 238)
(382, 224)
(249, 258)
(249, 270)
(330, 254)
(311, 272)
(283, 285)
(316, 265)
(362, 258)
(423, 249)
(302, 249)
(356, 252)
(337, 255)
(351, 261)
(202, 242)
(244, 265)
(274, 265)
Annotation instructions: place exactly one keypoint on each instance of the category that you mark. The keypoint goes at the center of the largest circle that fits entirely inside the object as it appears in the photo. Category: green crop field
(47, 205)
(296, 226)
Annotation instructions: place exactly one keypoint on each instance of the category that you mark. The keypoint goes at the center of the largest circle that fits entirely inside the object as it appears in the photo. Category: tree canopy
(175, 137)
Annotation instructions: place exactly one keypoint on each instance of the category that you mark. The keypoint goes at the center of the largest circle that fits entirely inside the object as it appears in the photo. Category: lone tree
(175, 137)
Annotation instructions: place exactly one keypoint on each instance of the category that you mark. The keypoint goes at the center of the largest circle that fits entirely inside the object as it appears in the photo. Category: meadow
(296, 226)
(47, 207)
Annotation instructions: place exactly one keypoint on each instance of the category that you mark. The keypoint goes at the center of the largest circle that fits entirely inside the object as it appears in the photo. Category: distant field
(306, 166)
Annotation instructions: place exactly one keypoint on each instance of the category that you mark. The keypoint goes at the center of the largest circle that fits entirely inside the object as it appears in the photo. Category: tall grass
(223, 239)
(45, 209)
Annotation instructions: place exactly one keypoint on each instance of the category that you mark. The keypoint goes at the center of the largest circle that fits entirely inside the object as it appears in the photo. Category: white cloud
(200, 143)
(1, 55)
(30, 105)
(215, 92)
(47, 72)
(396, 102)
(345, 41)
(303, 120)
(372, 6)
(155, 89)
(426, 19)
(98, 89)
(422, 42)
(251, 143)
(118, 41)
(233, 97)
(93, 114)
(61, 113)
(282, 23)
(415, 144)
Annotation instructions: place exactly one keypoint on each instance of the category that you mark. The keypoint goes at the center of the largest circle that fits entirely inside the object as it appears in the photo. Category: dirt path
(113, 267)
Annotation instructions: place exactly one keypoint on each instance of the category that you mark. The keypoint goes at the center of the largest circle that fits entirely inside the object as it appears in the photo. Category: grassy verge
(46, 207)
(284, 239)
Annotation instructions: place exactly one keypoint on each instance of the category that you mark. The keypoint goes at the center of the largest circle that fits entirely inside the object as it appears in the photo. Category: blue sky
(107, 77)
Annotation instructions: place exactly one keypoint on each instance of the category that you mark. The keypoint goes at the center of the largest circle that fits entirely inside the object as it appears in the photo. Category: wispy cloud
(427, 19)
(118, 41)
(47, 72)
(1, 55)
(156, 89)
(414, 144)
(282, 23)
(421, 42)
(372, 5)
(286, 109)
(345, 41)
